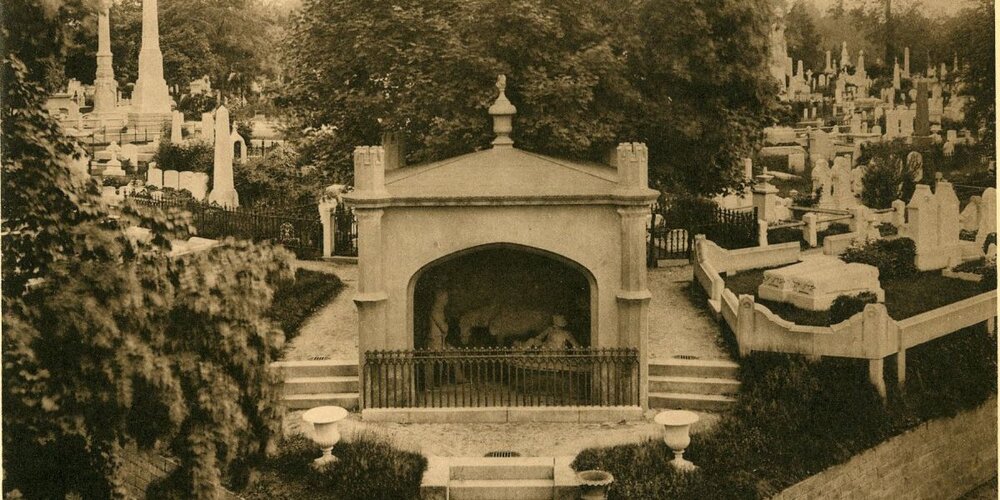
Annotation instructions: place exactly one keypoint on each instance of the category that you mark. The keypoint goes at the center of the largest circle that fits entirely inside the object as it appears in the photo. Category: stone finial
(369, 168)
(632, 161)
(503, 115)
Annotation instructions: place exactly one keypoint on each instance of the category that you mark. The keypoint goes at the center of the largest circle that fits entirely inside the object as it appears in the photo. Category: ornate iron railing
(345, 237)
(672, 229)
(490, 377)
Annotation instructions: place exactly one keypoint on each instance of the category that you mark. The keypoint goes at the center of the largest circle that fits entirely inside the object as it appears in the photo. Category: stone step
(695, 385)
(347, 400)
(513, 468)
(314, 385)
(322, 368)
(715, 368)
(501, 489)
(686, 401)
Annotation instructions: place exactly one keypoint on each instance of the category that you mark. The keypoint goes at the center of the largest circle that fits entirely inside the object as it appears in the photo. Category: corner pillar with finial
(369, 183)
(503, 113)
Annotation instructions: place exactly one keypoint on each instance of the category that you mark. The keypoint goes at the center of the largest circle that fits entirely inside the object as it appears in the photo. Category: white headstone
(171, 179)
(987, 215)
(223, 191)
(154, 177)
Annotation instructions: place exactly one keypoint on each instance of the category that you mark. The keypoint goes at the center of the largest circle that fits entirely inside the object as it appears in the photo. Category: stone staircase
(693, 384)
(514, 478)
(307, 384)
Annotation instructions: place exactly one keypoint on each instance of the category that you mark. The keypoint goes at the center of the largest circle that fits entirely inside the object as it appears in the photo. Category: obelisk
(151, 96)
(105, 86)
(223, 191)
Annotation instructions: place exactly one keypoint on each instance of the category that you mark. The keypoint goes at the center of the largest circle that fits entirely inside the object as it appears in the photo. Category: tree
(974, 41)
(804, 41)
(583, 78)
(108, 339)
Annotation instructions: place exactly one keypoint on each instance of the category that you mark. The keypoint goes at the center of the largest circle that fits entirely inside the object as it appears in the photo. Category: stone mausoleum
(507, 240)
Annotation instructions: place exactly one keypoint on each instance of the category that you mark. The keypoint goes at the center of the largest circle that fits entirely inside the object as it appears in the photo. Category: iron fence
(105, 137)
(304, 236)
(345, 236)
(672, 229)
(490, 377)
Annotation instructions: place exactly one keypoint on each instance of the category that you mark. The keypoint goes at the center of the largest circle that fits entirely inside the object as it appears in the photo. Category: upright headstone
(843, 197)
(176, 121)
(154, 177)
(199, 185)
(171, 179)
(922, 125)
(915, 163)
(105, 85)
(820, 175)
(844, 56)
(208, 127)
(987, 216)
(906, 62)
(223, 191)
(829, 67)
(896, 76)
(921, 212)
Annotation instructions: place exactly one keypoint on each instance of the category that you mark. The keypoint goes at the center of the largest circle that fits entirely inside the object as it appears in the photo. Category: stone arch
(566, 298)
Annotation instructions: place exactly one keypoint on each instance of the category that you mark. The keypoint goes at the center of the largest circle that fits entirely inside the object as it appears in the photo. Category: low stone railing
(871, 334)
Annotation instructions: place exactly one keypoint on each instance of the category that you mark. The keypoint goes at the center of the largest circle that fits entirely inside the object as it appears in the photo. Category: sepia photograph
(498, 249)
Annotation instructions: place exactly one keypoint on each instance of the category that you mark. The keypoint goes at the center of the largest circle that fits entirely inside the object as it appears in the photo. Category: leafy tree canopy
(583, 77)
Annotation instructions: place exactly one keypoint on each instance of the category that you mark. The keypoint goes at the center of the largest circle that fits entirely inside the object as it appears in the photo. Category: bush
(784, 235)
(789, 421)
(967, 234)
(369, 468)
(194, 105)
(893, 258)
(297, 299)
(845, 306)
(887, 229)
(888, 177)
(188, 156)
(832, 229)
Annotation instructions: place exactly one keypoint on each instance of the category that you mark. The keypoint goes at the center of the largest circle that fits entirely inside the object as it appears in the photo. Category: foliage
(107, 339)
(804, 41)
(194, 105)
(583, 77)
(973, 40)
(794, 409)
(785, 235)
(889, 176)
(276, 181)
(295, 300)
(845, 306)
(893, 258)
(369, 467)
(188, 156)
(833, 229)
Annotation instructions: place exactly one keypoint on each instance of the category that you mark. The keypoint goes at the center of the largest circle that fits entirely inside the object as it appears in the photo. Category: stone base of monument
(815, 285)
(227, 198)
(938, 258)
(148, 123)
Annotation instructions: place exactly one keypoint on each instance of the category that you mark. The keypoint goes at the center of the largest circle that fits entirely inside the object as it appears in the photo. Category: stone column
(633, 297)
(371, 299)
(327, 209)
(631, 160)
(105, 86)
(906, 62)
(765, 197)
(150, 95)
(899, 214)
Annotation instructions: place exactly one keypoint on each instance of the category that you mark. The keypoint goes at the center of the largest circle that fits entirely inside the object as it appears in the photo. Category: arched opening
(503, 295)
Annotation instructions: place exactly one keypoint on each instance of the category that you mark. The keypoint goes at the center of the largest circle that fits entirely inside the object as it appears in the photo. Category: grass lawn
(295, 300)
(904, 297)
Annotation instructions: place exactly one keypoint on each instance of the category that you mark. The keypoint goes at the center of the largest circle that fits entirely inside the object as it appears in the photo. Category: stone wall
(141, 467)
(941, 459)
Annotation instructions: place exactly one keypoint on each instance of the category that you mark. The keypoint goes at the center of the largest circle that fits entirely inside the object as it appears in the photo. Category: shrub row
(295, 300)
(893, 258)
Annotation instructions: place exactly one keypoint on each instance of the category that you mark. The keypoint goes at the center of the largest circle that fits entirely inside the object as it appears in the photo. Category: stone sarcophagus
(814, 285)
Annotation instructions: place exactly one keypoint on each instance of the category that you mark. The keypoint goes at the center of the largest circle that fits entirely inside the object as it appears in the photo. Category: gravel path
(679, 321)
(331, 333)
(475, 440)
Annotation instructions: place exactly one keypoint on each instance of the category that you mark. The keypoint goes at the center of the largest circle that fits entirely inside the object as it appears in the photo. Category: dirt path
(680, 323)
(331, 333)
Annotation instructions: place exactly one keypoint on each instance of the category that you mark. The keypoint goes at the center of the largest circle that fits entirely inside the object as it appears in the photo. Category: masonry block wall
(141, 467)
(941, 459)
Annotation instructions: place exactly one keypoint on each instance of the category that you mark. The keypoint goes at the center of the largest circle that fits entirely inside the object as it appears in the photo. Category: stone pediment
(507, 175)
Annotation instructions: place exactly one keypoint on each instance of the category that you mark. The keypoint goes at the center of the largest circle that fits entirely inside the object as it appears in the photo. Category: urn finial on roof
(503, 116)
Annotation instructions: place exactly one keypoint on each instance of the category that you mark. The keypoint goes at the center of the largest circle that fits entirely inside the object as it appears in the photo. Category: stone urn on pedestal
(677, 435)
(325, 432)
(594, 484)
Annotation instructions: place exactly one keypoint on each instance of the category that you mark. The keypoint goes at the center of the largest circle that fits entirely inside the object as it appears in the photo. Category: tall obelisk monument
(105, 86)
(150, 98)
